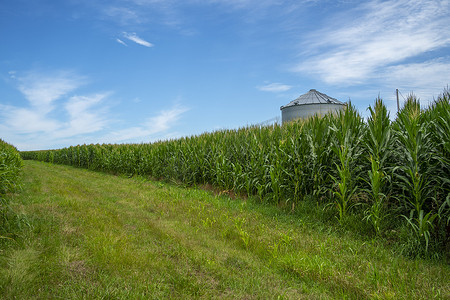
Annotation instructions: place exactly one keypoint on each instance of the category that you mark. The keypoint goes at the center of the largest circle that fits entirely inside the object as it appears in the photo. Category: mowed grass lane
(95, 235)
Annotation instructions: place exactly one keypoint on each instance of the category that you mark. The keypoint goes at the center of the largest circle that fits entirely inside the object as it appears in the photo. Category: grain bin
(311, 103)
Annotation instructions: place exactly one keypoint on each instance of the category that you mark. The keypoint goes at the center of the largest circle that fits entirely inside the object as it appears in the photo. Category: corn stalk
(348, 130)
(378, 144)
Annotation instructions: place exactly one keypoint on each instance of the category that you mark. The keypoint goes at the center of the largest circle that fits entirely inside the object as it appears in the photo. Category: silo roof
(313, 97)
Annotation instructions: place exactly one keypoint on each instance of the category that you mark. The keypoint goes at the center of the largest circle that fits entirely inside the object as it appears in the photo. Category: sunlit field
(382, 177)
(333, 206)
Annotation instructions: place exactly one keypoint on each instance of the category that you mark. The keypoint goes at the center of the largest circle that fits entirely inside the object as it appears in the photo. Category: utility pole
(398, 103)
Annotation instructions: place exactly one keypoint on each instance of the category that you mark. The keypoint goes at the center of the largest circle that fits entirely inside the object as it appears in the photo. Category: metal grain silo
(311, 103)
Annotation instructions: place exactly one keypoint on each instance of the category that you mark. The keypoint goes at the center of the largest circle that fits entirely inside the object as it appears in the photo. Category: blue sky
(127, 71)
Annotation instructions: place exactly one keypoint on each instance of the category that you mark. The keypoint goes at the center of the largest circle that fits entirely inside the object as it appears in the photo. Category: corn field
(378, 169)
(10, 168)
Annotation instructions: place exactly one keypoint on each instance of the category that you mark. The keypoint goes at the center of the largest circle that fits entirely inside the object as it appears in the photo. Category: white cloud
(426, 80)
(26, 120)
(42, 122)
(434, 74)
(84, 115)
(42, 89)
(121, 42)
(386, 33)
(134, 38)
(154, 126)
(274, 87)
(165, 119)
(30, 127)
(73, 119)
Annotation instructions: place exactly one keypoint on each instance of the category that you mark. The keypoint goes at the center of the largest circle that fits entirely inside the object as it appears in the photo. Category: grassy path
(94, 236)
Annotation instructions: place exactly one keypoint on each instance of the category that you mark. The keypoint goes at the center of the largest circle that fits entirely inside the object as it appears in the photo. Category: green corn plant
(440, 129)
(292, 169)
(10, 167)
(378, 140)
(421, 226)
(318, 160)
(237, 174)
(275, 175)
(297, 179)
(277, 170)
(375, 213)
(378, 144)
(299, 173)
(414, 151)
(348, 129)
(444, 211)
(417, 168)
(439, 118)
(345, 183)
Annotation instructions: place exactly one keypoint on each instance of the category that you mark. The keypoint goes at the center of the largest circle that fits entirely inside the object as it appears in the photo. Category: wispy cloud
(134, 38)
(73, 119)
(20, 120)
(122, 15)
(274, 87)
(385, 34)
(177, 14)
(41, 89)
(52, 115)
(121, 42)
(151, 128)
(85, 115)
(428, 73)
(426, 80)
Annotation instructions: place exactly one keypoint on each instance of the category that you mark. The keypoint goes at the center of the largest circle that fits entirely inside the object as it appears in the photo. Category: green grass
(98, 236)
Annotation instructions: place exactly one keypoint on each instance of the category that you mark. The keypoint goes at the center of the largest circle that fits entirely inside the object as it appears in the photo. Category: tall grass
(371, 168)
